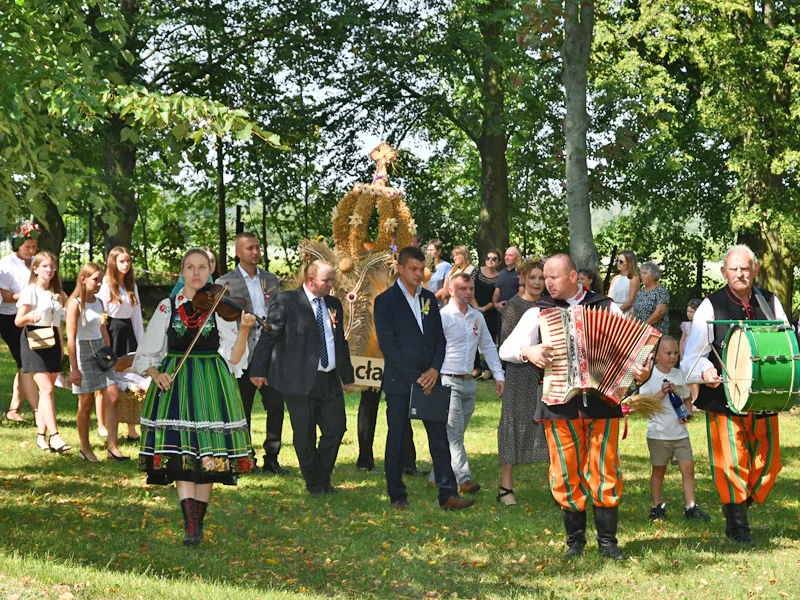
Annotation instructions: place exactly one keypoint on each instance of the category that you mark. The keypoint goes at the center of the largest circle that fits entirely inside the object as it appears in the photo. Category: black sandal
(64, 447)
(43, 445)
(504, 491)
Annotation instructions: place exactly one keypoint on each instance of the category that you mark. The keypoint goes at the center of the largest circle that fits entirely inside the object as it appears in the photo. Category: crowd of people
(440, 327)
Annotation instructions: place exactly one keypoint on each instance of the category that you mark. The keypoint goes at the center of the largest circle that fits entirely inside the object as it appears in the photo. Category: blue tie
(323, 346)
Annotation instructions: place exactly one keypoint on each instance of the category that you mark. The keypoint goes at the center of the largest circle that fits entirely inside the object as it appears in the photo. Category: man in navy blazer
(411, 338)
(310, 362)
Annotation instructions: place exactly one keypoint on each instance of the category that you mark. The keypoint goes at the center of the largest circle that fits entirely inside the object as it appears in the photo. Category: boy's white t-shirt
(665, 425)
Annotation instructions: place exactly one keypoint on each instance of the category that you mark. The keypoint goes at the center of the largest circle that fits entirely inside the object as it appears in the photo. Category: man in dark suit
(411, 338)
(306, 358)
(260, 288)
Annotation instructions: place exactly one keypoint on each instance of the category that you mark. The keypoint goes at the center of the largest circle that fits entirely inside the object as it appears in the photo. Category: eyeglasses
(493, 258)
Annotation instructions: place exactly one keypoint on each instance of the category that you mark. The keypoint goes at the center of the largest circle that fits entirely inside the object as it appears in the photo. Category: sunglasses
(620, 261)
(492, 258)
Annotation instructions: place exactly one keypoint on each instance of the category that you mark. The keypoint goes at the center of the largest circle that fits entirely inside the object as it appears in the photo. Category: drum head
(739, 364)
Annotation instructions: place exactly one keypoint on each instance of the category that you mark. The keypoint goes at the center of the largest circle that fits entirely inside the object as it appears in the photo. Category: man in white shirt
(744, 449)
(260, 288)
(465, 331)
(583, 434)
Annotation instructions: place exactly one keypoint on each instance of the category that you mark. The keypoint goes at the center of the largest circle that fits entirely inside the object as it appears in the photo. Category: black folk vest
(727, 307)
(595, 408)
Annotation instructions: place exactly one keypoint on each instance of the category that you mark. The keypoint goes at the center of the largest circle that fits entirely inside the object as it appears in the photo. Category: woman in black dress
(520, 439)
(485, 279)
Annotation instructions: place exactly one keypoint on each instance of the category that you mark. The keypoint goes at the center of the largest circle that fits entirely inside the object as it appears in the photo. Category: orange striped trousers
(745, 455)
(584, 462)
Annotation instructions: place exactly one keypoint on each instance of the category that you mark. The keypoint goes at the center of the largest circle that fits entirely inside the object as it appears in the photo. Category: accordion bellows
(594, 351)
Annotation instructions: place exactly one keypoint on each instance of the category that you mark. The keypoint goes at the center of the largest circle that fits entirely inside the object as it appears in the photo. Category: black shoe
(329, 489)
(659, 512)
(737, 526)
(271, 465)
(606, 519)
(366, 469)
(694, 512)
(133, 439)
(418, 472)
(575, 524)
(120, 458)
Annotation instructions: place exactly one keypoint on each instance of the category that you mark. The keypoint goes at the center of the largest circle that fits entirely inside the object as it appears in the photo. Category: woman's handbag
(41, 339)
(106, 357)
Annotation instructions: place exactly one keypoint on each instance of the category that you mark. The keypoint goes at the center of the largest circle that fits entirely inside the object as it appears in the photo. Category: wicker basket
(129, 406)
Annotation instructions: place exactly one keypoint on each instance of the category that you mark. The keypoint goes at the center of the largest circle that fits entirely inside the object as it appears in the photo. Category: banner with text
(368, 370)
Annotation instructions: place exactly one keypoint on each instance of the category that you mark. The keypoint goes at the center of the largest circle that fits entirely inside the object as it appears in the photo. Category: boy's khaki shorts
(664, 451)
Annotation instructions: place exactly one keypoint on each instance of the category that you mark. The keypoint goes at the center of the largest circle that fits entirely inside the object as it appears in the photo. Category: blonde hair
(113, 277)
(80, 292)
(55, 282)
(463, 251)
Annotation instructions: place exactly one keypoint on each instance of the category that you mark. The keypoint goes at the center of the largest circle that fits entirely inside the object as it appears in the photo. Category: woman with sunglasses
(485, 280)
(625, 285)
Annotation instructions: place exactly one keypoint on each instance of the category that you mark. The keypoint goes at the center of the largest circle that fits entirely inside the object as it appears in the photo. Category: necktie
(323, 346)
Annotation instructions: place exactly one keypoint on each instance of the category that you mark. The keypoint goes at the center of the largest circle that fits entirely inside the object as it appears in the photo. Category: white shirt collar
(452, 308)
(245, 274)
(180, 298)
(576, 299)
(404, 289)
(311, 297)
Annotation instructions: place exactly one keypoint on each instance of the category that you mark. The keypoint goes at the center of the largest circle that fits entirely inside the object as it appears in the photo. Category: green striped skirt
(197, 430)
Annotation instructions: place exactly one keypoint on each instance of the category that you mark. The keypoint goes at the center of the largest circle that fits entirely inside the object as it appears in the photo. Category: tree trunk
(493, 142)
(120, 157)
(777, 262)
(222, 259)
(119, 167)
(53, 231)
(578, 31)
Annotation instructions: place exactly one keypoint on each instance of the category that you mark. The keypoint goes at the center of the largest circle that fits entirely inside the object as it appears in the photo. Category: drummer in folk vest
(744, 449)
(582, 435)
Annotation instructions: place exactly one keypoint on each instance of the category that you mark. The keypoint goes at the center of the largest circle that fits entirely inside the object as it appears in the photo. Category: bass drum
(763, 367)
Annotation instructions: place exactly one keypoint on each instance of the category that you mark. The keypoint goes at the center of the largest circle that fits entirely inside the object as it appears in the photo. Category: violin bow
(196, 337)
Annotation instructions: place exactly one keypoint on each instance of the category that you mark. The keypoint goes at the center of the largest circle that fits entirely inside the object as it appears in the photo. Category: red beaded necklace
(191, 321)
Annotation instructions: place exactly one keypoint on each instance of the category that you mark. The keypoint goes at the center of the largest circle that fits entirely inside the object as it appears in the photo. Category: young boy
(667, 436)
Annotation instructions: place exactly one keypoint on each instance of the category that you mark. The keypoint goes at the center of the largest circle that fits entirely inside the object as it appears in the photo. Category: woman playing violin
(194, 430)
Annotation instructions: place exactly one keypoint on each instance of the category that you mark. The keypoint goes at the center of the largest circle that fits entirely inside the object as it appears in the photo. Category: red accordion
(594, 351)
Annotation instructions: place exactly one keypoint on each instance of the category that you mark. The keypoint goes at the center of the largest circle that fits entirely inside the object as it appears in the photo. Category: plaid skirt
(94, 378)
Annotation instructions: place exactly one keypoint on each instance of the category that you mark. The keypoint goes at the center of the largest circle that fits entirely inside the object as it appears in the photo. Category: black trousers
(367, 419)
(397, 417)
(272, 401)
(323, 408)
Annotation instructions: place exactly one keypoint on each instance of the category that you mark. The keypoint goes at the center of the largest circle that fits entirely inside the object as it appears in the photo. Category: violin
(217, 297)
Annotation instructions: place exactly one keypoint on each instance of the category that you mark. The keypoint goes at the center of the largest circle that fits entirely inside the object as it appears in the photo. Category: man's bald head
(561, 276)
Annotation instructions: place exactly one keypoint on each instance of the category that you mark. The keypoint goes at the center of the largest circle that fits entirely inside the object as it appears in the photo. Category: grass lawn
(70, 529)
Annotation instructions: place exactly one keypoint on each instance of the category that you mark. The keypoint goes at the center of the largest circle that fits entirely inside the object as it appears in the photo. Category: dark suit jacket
(288, 356)
(407, 351)
(238, 289)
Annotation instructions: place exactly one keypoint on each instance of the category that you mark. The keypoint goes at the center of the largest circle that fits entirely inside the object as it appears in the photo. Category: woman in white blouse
(41, 307)
(121, 299)
(194, 430)
(625, 285)
(86, 334)
(15, 274)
